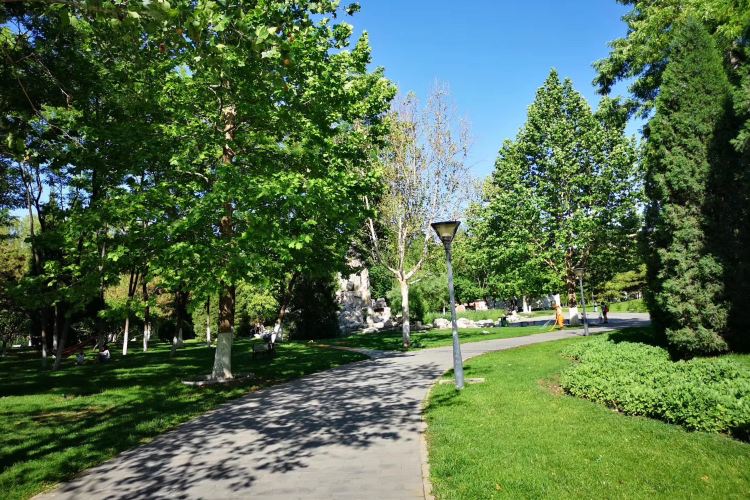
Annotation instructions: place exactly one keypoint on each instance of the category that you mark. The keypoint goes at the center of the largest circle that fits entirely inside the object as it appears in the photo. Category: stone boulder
(466, 323)
(441, 323)
(485, 323)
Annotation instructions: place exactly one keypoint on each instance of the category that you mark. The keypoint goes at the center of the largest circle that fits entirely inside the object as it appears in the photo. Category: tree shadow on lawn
(270, 432)
(637, 336)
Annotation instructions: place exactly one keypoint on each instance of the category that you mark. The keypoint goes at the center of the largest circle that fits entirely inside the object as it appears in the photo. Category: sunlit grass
(391, 340)
(56, 424)
(518, 436)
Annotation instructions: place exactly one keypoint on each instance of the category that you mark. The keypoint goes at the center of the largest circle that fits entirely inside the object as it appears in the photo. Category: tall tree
(641, 57)
(565, 189)
(686, 138)
(426, 178)
(288, 112)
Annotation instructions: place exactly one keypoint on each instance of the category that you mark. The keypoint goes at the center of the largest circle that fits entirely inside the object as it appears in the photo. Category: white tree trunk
(208, 322)
(573, 316)
(146, 335)
(223, 358)
(126, 337)
(405, 326)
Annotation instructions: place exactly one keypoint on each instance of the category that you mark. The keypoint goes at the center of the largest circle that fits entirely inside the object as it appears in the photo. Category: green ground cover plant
(391, 340)
(519, 436)
(56, 424)
(705, 394)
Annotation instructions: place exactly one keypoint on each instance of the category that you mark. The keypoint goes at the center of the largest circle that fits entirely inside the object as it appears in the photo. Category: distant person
(80, 357)
(104, 354)
(559, 318)
(605, 311)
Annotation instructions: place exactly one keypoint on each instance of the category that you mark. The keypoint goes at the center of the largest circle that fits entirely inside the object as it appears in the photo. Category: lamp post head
(579, 271)
(446, 230)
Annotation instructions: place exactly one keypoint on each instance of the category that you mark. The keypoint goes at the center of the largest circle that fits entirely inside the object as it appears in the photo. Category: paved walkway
(348, 433)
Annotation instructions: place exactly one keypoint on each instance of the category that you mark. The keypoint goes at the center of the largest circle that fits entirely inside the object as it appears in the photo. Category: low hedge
(706, 394)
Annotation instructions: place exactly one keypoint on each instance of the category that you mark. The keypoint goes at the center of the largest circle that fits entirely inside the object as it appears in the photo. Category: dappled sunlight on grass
(59, 423)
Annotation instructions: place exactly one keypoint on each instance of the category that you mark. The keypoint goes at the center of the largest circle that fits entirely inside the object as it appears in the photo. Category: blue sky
(492, 54)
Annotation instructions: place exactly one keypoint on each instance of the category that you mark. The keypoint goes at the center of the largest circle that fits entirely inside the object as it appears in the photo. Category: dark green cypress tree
(686, 143)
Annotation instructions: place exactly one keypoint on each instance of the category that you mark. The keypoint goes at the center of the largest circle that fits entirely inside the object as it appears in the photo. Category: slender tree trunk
(284, 304)
(63, 335)
(405, 325)
(132, 287)
(146, 316)
(570, 279)
(180, 306)
(208, 322)
(126, 336)
(44, 339)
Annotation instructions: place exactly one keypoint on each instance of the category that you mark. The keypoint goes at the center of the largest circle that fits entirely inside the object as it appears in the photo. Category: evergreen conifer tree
(687, 297)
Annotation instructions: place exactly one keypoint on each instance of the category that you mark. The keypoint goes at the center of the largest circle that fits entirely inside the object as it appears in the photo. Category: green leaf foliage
(707, 394)
(563, 194)
(687, 296)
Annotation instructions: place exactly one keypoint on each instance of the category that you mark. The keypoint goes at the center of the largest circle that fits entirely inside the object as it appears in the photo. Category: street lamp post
(579, 273)
(446, 231)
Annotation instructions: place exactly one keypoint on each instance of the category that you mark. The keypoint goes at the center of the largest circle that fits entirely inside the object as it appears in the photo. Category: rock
(441, 323)
(485, 323)
(466, 323)
(370, 330)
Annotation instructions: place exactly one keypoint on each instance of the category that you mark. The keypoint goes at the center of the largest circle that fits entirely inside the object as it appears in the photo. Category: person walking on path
(605, 311)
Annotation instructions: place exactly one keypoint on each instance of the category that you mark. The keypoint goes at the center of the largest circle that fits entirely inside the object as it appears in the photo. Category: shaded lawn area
(56, 424)
(391, 340)
(518, 436)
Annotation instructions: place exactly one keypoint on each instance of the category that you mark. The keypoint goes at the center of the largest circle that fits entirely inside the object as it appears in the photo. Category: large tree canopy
(563, 194)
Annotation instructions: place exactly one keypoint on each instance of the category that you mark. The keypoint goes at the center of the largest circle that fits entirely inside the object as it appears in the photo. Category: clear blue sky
(492, 54)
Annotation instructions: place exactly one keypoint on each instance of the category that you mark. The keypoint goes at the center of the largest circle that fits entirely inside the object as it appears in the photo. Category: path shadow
(272, 432)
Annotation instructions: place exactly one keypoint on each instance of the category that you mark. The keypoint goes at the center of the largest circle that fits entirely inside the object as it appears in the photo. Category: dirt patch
(552, 385)
(57, 416)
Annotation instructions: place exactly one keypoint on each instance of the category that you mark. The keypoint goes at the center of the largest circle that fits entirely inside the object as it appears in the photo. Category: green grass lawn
(391, 340)
(518, 436)
(635, 305)
(56, 424)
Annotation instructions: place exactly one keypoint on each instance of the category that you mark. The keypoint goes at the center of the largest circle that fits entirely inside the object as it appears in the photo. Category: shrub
(707, 394)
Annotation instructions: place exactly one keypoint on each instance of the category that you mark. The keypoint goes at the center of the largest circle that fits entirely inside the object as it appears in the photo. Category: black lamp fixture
(446, 230)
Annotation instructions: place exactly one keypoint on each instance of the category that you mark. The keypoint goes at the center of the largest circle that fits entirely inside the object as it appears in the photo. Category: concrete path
(348, 433)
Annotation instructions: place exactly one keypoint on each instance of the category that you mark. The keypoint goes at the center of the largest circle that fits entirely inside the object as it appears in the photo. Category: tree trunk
(132, 287)
(223, 359)
(208, 322)
(44, 339)
(405, 326)
(570, 286)
(126, 336)
(284, 302)
(146, 316)
(62, 337)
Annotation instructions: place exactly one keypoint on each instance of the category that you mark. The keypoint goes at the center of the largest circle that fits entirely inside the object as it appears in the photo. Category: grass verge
(57, 424)
(518, 436)
(392, 341)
